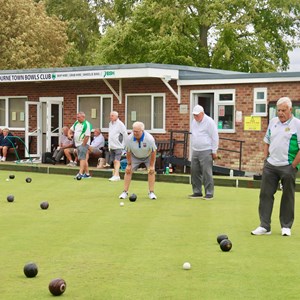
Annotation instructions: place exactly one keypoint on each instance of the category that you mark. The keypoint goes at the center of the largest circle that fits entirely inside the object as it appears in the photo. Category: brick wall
(252, 146)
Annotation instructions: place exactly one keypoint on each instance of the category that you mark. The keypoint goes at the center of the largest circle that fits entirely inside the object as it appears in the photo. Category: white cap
(197, 110)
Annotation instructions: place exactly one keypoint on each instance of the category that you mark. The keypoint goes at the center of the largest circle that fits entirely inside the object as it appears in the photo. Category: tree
(82, 30)
(240, 35)
(28, 37)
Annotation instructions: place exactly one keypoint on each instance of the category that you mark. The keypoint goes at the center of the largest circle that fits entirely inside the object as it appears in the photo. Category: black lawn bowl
(57, 286)
(28, 179)
(44, 205)
(30, 270)
(221, 237)
(10, 198)
(11, 176)
(132, 197)
(226, 245)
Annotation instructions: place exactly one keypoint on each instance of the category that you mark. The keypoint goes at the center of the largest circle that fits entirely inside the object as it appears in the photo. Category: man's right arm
(266, 150)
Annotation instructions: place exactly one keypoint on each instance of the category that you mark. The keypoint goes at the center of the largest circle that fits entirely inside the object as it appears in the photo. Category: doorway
(206, 100)
(43, 124)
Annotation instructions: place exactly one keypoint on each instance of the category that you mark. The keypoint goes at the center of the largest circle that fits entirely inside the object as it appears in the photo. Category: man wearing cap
(204, 143)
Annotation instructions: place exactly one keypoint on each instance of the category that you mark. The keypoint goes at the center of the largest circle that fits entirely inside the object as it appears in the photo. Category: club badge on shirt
(287, 129)
(144, 145)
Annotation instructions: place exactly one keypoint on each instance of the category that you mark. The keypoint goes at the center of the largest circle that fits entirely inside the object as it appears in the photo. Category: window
(97, 109)
(12, 112)
(225, 110)
(260, 102)
(2, 113)
(273, 109)
(149, 109)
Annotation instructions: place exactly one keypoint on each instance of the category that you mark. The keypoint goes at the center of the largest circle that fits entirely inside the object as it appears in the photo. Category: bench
(164, 149)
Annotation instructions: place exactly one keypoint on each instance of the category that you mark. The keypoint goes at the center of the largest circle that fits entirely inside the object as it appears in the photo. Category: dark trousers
(271, 177)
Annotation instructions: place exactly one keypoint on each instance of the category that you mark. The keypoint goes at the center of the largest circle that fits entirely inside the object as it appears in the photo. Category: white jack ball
(186, 266)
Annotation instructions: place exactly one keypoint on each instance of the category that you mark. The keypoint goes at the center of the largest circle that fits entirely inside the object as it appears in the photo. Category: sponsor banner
(57, 76)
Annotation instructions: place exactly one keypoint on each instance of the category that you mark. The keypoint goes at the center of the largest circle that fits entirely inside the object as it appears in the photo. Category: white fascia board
(166, 74)
(91, 75)
(237, 81)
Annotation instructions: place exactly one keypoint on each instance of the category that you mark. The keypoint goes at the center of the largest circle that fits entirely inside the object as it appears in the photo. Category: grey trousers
(269, 185)
(201, 172)
(58, 154)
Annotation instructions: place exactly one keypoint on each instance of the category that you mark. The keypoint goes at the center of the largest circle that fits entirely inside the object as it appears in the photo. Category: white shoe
(285, 231)
(70, 164)
(3, 158)
(152, 196)
(260, 231)
(114, 178)
(124, 195)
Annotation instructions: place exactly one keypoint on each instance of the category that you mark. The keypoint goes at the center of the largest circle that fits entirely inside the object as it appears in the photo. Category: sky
(294, 60)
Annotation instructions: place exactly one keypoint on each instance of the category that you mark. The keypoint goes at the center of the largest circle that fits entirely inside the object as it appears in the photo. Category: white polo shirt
(204, 135)
(283, 140)
(142, 148)
(116, 129)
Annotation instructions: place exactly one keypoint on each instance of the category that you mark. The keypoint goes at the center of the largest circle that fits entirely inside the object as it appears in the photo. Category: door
(33, 132)
(52, 111)
(43, 125)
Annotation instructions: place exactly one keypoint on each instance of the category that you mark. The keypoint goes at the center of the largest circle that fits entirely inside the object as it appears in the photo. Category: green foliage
(241, 35)
(28, 37)
(82, 30)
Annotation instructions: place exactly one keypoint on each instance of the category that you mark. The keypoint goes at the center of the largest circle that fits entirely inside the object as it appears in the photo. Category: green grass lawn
(104, 251)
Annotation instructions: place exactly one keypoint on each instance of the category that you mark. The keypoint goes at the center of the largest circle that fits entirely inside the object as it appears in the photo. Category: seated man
(96, 146)
(64, 143)
(6, 141)
(69, 152)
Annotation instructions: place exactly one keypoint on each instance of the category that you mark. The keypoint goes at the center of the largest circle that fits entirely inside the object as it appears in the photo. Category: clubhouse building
(36, 103)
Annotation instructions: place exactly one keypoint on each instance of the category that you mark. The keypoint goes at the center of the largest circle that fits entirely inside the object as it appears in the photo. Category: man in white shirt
(205, 142)
(282, 158)
(117, 136)
(97, 143)
(96, 149)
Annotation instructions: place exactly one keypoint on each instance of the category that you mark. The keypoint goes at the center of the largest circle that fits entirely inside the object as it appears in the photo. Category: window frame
(100, 106)
(152, 95)
(260, 101)
(218, 103)
(7, 112)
